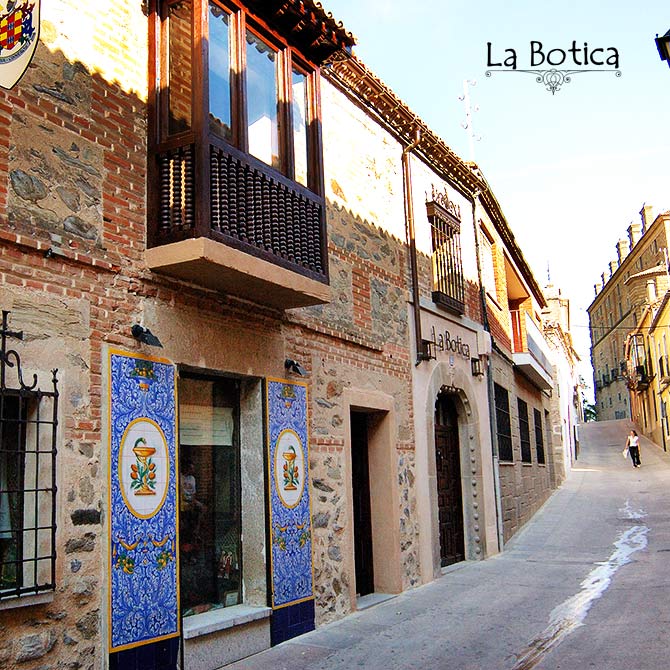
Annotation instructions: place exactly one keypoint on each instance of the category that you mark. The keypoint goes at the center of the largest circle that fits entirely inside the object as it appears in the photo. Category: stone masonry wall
(72, 236)
(72, 214)
(524, 487)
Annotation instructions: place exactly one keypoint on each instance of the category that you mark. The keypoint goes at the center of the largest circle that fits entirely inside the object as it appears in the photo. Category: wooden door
(360, 476)
(449, 493)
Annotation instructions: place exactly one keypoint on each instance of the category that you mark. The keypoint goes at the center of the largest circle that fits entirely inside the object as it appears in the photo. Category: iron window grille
(524, 431)
(445, 227)
(28, 428)
(503, 424)
(539, 437)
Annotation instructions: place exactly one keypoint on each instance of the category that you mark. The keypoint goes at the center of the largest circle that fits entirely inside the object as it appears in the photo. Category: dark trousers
(635, 455)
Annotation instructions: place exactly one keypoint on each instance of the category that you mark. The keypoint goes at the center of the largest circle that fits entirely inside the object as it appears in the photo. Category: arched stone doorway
(449, 489)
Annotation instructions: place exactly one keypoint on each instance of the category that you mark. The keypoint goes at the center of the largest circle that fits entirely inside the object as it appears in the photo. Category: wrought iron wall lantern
(144, 335)
(428, 350)
(294, 367)
(476, 364)
(663, 46)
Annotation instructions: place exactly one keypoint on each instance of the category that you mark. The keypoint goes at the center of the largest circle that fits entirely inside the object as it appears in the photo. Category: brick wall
(73, 207)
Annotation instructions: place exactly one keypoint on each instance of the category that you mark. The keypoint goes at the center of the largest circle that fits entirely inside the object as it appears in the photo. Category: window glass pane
(539, 438)
(299, 93)
(524, 431)
(12, 496)
(219, 72)
(179, 67)
(504, 424)
(209, 503)
(262, 101)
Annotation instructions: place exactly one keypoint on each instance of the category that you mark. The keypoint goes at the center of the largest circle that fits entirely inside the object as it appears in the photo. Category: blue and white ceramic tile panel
(290, 517)
(143, 591)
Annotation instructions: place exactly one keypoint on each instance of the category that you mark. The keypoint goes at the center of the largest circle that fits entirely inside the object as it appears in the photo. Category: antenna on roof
(467, 124)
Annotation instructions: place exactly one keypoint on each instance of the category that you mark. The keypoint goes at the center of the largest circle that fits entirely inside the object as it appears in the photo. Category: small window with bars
(524, 431)
(28, 425)
(503, 424)
(539, 436)
(445, 227)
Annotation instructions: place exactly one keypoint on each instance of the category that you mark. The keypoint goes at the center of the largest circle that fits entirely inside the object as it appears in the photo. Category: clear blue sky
(571, 170)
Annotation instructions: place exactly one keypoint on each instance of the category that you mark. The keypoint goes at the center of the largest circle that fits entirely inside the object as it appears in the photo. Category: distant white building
(566, 407)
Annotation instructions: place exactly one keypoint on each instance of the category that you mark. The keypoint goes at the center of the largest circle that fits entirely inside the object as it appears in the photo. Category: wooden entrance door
(449, 493)
(360, 476)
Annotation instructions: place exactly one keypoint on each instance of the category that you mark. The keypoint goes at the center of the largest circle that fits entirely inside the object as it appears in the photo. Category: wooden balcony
(530, 350)
(225, 221)
(639, 379)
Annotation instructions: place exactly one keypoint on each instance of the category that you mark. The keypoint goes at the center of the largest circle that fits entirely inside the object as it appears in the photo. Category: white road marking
(630, 513)
(570, 615)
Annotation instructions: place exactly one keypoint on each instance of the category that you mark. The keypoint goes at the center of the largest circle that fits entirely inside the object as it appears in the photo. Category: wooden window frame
(503, 424)
(287, 58)
(194, 375)
(202, 185)
(524, 431)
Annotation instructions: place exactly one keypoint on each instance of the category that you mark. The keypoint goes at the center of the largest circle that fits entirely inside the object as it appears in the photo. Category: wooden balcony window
(235, 130)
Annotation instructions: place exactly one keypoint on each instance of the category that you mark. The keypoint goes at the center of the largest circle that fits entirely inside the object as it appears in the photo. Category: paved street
(585, 585)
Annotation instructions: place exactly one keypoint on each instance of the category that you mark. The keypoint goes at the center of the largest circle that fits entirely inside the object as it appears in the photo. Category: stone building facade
(620, 299)
(646, 353)
(520, 372)
(109, 240)
(650, 406)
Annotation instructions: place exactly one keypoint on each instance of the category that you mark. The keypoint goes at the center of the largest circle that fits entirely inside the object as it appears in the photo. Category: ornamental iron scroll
(6, 357)
(28, 432)
(553, 78)
(441, 198)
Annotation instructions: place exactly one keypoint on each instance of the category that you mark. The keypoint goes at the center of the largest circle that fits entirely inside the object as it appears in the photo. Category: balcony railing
(530, 351)
(251, 207)
(639, 378)
(233, 199)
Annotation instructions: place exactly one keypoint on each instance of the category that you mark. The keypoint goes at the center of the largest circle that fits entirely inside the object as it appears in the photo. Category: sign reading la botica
(553, 66)
(19, 33)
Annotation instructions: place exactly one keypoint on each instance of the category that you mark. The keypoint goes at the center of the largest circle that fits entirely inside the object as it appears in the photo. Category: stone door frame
(384, 492)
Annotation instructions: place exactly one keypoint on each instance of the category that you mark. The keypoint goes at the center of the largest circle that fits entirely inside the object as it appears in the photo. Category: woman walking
(633, 446)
